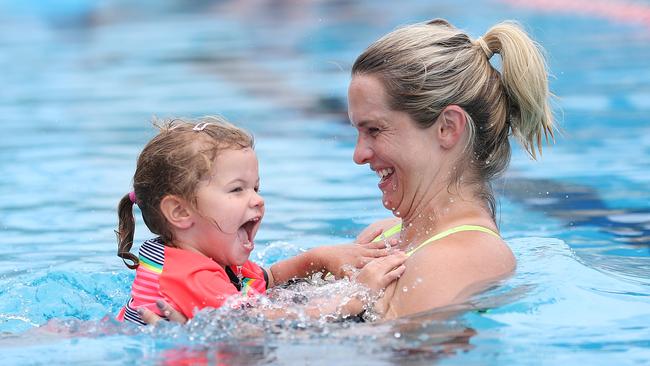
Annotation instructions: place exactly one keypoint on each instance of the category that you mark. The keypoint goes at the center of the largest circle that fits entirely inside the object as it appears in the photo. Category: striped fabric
(145, 290)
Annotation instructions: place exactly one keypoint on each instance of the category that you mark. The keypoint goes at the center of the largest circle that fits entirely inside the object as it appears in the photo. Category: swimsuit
(395, 229)
(186, 281)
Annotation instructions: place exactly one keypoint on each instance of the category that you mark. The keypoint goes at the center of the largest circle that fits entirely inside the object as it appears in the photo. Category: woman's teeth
(383, 173)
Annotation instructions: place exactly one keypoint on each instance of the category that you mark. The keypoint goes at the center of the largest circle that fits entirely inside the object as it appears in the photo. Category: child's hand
(342, 260)
(152, 318)
(381, 272)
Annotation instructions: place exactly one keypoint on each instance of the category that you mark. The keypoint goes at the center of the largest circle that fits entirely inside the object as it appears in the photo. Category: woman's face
(404, 156)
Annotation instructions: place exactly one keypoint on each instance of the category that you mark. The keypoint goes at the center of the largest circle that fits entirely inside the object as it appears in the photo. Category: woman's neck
(442, 211)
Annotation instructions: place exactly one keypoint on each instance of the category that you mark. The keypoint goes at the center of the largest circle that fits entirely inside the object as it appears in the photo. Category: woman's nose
(362, 152)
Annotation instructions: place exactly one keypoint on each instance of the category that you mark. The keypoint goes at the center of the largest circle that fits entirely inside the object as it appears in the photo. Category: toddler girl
(197, 186)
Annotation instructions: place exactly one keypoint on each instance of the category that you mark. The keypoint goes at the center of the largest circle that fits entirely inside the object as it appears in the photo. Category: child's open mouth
(247, 232)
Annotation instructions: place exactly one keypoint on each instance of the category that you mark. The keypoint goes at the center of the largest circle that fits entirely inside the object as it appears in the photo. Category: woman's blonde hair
(429, 66)
(173, 163)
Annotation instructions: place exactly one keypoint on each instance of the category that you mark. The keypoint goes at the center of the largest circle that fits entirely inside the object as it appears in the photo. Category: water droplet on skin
(405, 289)
(418, 280)
(451, 200)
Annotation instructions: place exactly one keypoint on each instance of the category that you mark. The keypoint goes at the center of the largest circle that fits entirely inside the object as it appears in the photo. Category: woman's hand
(172, 314)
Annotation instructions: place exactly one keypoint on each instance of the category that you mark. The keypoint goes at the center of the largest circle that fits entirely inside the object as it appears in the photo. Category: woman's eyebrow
(362, 124)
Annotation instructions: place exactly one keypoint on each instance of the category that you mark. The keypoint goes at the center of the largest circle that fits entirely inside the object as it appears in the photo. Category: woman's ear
(177, 212)
(451, 126)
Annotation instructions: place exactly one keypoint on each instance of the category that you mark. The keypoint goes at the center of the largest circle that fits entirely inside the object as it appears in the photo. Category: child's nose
(257, 200)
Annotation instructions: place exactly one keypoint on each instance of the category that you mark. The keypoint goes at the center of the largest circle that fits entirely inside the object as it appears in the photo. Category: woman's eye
(373, 131)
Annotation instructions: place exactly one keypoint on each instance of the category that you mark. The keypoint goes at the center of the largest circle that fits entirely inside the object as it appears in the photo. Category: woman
(433, 117)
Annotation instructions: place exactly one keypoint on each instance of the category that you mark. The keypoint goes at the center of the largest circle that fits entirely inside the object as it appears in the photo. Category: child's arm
(336, 259)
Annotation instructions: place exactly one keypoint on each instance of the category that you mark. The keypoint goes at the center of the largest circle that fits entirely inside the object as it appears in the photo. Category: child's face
(231, 200)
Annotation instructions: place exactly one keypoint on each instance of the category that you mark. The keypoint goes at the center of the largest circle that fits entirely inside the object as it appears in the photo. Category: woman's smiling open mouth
(384, 174)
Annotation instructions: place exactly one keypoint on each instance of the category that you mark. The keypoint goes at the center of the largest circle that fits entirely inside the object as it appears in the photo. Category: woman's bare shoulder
(450, 270)
(475, 253)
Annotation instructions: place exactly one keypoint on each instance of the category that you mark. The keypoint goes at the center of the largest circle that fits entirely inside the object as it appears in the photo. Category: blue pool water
(81, 79)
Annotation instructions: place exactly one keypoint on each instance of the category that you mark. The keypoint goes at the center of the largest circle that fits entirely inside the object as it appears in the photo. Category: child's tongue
(242, 235)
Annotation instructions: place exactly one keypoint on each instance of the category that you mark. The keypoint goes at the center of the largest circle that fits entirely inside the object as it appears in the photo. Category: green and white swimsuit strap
(397, 228)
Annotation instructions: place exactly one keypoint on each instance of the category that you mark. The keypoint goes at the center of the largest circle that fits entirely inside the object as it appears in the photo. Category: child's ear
(177, 212)
(451, 126)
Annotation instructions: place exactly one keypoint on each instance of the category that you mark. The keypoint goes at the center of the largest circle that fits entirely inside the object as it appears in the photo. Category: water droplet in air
(397, 334)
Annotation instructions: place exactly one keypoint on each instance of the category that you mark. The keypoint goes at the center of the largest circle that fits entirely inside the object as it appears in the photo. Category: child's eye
(257, 189)
(235, 190)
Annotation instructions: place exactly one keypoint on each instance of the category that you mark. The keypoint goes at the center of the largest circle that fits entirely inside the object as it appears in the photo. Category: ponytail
(525, 80)
(125, 231)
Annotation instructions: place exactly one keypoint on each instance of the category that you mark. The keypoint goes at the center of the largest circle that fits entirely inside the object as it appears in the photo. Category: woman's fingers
(172, 314)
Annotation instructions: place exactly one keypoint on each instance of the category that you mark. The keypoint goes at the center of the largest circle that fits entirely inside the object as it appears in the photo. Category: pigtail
(525, 80)
(125, 231)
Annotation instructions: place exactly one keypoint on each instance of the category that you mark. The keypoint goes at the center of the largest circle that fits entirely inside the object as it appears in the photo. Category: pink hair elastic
(132, 197)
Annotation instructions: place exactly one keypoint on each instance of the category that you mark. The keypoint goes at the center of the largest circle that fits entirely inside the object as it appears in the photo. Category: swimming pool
(80, 81)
